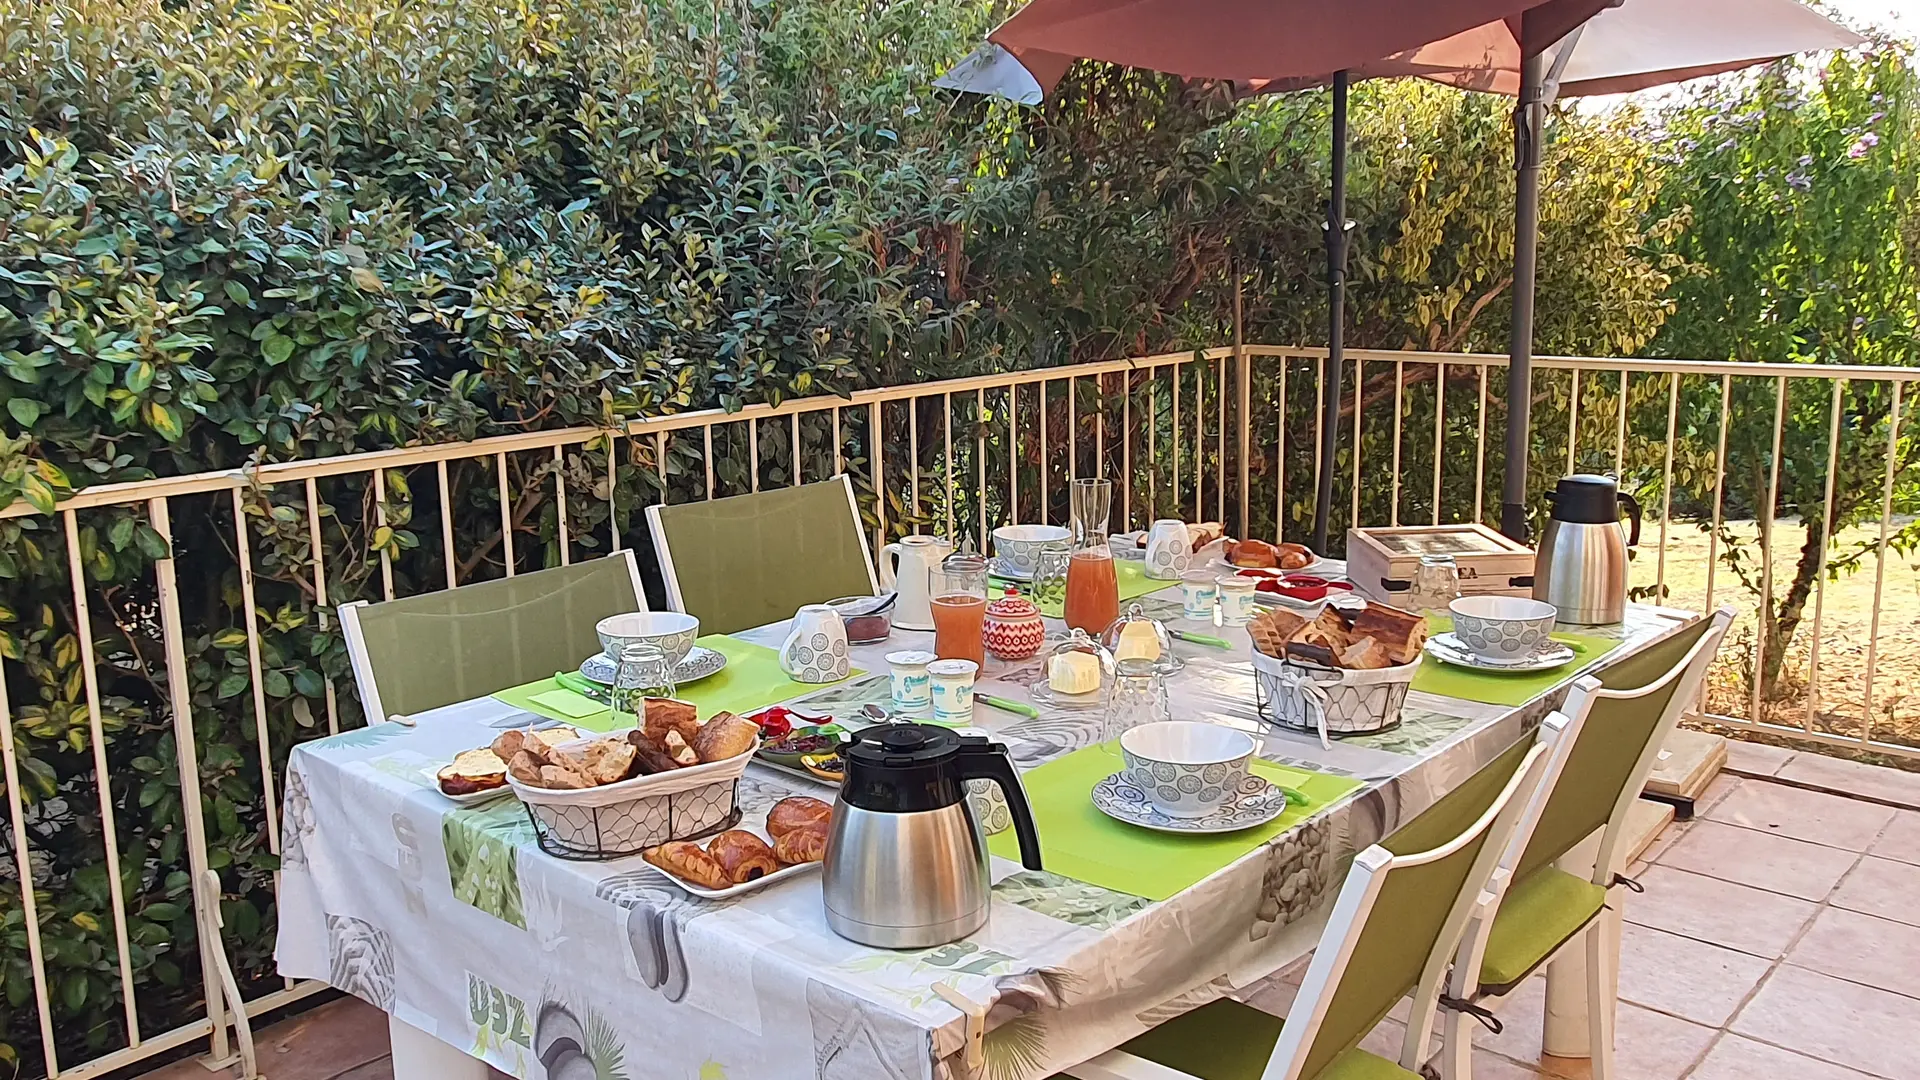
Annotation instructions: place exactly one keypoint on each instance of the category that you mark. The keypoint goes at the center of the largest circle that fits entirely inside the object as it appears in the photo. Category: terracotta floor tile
(1721, 912)
(1864, 949)
(1853, 778)
(1756, 759)
(1665, 841)
(322, 1044)
(1647, 1045)
(1882, 887)
(1762, 860)
(1902, 838)
(1521, 1016)
(1842, 1022)
(1491, 1066)
(1722, 786)
(1804, 815)
(372, 1070)
(1737, 1058)
(1690, 979)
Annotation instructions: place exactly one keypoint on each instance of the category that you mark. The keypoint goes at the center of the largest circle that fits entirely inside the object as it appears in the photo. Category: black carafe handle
(1633, 517)
(989, 761)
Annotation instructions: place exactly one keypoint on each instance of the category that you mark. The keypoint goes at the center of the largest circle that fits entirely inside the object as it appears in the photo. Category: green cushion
(1226, 1040)
(1539, 914)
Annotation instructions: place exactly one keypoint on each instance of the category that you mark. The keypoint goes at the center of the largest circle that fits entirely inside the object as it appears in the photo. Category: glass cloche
(1076, 672)
(1134, 634)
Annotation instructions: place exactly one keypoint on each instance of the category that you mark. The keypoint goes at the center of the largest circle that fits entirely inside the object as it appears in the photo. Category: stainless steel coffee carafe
(1580, 566)
(906, 864)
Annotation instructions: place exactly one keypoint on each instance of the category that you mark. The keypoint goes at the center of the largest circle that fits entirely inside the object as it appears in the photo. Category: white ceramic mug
(912, 686)
(1169, 550)
(1197, 590)
(953, 690)
(816, 648)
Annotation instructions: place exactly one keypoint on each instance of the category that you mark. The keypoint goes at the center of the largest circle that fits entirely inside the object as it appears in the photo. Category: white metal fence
(1212, 434)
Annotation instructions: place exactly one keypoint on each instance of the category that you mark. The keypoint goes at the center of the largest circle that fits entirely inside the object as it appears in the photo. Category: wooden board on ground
(1688, 763)
(1645, 821)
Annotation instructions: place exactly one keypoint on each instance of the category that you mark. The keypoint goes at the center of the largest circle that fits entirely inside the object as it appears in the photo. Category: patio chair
(1534, 911)
(749, 560)
(1393, 929)
(438, 648)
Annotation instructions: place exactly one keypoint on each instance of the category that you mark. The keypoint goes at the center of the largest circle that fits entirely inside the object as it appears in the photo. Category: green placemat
(1080, 842)
(1131, 576)
(1504, 688)
(751, 679)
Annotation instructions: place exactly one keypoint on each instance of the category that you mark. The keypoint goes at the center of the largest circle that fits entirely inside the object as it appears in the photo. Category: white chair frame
(356, 639)
(1600, 937)
(1350, 912)
(664, 553)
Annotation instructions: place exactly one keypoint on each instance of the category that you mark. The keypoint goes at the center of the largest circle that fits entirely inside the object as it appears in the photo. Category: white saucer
(1001, 569)
(699, 663)
(1448, 649)
(1256, 802)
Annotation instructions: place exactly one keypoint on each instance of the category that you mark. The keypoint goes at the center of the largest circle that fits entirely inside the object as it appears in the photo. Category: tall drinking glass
(1050, 578)
(1138, 696)
(644, 671)
(959, 591)
(1093, 590)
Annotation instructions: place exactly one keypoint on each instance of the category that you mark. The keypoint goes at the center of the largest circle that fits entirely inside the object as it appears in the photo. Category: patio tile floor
(1778, 936)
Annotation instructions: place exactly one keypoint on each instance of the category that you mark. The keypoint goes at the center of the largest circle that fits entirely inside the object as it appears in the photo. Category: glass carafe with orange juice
(958, 587)
(1093, 591)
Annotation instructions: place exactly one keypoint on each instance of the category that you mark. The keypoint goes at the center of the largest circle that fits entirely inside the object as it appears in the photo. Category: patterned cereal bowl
(1503, 627)
(1187, 769)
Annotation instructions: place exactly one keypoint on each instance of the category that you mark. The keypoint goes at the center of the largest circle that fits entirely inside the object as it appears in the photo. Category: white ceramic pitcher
(915, 555)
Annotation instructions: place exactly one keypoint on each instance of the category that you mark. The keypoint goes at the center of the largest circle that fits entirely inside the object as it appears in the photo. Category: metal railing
(1192, 435)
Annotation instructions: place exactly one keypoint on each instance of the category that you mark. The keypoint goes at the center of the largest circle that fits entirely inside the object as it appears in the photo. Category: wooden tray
(1381, 562)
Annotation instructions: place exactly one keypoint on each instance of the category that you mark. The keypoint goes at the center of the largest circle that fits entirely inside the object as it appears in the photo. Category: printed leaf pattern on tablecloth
(577, 1043)
(482, 860)
(1418, 730)
(856, 1040)
(360, 960)
(1068, 900)
(357, 739)
(1300, 869)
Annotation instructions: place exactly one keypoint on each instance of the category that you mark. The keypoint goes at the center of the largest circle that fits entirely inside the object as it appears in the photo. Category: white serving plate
(741, 889)
(1448, 649)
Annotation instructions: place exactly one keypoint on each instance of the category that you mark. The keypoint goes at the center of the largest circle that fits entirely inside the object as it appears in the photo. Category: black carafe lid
(1586, 499)
(904, 768)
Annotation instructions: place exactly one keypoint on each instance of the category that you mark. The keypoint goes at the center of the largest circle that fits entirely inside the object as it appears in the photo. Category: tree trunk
(1785, 619)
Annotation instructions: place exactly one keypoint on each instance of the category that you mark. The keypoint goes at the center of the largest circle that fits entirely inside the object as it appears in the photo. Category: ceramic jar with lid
(1014, 629)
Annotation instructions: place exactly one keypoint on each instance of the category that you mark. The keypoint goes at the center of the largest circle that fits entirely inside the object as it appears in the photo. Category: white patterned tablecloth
(453, 920)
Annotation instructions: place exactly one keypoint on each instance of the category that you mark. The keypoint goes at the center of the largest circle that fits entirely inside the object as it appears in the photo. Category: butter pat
(1137, 642)
(1074, 673)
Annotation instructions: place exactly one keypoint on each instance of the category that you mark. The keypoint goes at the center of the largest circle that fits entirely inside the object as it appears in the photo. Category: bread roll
(798, 812)
(802, 845)
(687, 861)
(508, 743)
(648, 758)
(668, 714)
(726, 736)
(742, 855)
(525, 768)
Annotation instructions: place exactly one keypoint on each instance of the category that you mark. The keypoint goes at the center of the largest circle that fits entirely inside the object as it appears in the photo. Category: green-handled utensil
(1201, 639)
(1004, 705)
(581, 685)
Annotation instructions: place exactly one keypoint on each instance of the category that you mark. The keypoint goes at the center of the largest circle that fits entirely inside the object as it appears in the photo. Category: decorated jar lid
(1013, 629)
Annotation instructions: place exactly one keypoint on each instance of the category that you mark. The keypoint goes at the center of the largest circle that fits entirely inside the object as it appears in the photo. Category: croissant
(803, 845)
(798, 812)
(687, 861)
(742, 855)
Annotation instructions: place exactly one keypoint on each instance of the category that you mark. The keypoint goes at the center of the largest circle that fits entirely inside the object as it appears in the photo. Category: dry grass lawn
(1835, 696)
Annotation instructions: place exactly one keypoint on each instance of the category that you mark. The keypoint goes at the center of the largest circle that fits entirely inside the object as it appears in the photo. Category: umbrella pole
(1337, 228)
(1529, 118)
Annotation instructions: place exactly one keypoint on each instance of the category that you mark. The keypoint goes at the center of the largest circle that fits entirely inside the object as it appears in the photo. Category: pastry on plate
(802, 845)
(798, 812)
(742, 855)
(684, 860)
(472, 771)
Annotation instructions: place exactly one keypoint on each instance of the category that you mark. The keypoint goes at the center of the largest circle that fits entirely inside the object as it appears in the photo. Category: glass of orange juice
(959, 592)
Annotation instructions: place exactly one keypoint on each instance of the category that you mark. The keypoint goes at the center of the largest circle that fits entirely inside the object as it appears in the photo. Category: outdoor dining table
(452, 920)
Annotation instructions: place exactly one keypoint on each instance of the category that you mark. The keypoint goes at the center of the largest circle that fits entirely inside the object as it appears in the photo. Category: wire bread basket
(625, 818)
(1304, 696)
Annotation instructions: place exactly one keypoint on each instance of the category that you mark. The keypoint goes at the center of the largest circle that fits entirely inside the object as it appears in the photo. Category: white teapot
(904, 566)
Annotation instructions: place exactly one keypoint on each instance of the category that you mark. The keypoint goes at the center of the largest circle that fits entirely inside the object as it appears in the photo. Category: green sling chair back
(749, 560)
(1394, 926)
(422, 652)
(1536, 909)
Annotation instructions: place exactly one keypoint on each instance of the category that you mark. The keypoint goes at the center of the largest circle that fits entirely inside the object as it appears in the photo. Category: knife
(1201, 639)
(584, 687)
(1004, 705)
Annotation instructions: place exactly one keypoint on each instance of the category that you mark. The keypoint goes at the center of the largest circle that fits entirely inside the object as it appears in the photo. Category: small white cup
(1236, 599)
(1169, 550)
(1197, 591)
(953, 690)
(912, 686)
